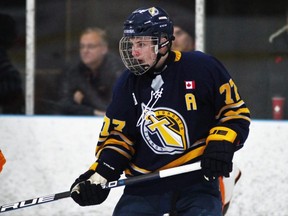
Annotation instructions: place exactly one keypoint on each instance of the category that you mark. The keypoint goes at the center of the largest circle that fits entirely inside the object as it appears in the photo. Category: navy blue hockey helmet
(153, 22)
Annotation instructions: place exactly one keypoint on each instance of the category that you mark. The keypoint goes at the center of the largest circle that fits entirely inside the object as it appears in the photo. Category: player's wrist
(106, 170)
(222, 133)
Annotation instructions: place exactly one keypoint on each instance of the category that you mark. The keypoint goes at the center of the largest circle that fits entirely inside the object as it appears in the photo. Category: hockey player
(169, 109)
(2, 160)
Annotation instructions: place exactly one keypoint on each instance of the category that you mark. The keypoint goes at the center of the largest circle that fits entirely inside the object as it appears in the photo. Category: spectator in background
(11, 89)
(185, 41)
(184, 34)
(87, 87)
(278, 67)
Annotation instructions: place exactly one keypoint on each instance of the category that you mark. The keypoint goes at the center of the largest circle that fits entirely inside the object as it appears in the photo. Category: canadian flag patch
(190, 84)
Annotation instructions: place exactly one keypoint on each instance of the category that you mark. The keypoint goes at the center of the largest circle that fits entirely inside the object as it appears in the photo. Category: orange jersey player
(2, 160)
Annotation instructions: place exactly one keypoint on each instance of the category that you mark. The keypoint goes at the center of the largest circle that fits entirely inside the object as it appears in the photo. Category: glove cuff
(220, 147)
(86, 175)
(220, 133)
(105, 170)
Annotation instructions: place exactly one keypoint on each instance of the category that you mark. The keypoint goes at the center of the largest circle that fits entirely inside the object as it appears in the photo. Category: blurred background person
(11, 89)
(184, 33)
(87, 86)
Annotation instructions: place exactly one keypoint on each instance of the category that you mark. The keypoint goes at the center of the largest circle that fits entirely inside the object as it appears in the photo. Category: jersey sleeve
(231, 112)
(116, 144)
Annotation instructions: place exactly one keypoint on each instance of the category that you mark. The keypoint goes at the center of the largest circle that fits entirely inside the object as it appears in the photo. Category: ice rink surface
(45, 155)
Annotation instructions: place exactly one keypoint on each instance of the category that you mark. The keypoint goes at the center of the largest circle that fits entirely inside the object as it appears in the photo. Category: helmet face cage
(135, 65)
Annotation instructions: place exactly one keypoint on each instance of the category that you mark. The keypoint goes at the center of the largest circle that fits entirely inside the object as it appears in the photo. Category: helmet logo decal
(153, 11)
(165, 131)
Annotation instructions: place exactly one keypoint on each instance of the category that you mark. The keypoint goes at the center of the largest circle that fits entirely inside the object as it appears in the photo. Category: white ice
(45, 155)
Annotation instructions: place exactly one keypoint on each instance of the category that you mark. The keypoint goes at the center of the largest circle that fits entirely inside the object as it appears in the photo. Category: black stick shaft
(113, 184)
(34, 201)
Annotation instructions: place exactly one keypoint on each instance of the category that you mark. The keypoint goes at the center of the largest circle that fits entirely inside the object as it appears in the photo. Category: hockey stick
(33, 202)
(122, 182)
(153, 176)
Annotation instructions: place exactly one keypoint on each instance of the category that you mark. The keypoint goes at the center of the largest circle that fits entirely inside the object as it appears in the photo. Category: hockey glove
(218, 154)
(87, 189)
(217, 159)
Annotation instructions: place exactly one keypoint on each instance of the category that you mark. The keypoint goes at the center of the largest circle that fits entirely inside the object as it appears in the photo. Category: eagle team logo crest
(165, 131)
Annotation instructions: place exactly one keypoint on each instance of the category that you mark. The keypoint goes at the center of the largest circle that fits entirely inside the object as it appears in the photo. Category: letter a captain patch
(190, 84)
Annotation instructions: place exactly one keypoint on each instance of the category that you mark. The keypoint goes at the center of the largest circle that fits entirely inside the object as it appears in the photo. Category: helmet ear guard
(168, 43)
(153, 22)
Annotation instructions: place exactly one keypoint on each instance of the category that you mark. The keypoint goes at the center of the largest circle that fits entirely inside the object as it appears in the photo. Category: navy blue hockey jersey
(161, 121)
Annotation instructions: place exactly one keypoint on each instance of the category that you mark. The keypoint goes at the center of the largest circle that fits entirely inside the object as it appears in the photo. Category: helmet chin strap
(160, 55)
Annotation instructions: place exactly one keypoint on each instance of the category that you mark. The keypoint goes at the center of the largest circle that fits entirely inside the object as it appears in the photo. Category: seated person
(11, 89)
(87, 86)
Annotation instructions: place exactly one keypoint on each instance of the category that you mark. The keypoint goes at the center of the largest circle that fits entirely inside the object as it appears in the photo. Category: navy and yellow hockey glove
(87, 189)
(218, 154)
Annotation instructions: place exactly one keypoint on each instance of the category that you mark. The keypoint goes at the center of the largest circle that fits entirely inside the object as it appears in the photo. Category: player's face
(183, 41)
(144, 50)
(92, 49)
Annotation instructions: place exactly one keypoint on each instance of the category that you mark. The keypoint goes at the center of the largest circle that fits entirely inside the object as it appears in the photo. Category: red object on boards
(278, 107)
